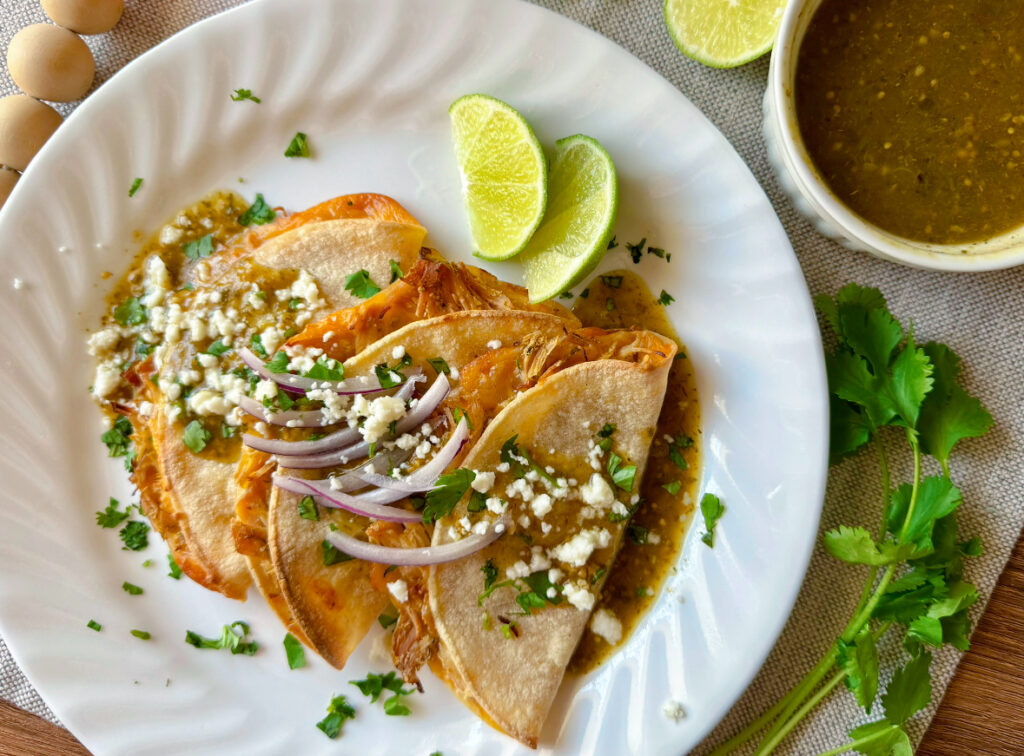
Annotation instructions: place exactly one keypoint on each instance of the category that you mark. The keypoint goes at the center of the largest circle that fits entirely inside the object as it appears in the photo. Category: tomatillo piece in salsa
(913, 113)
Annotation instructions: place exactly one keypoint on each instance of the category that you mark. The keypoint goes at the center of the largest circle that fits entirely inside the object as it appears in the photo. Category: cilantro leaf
(218, 348)
(909, 691)
(859, 660)
(490, 573)
(111, 517)
(612, 282)
(712, 509)
(279, 363)
(440, 365)
(294, 651)
(141, 634)
(326, 369)
(936, 498)
(375, 684)
(881, 739)
(910, 381)
(666, 299)
(636, 251)
(119, 438)
(623, 476)
(338, 711)
(396, 270)
(259, 212)
(196, 437)
(672, 487)
(638, 534)
(361, 285)
(849, 429)
(855, 545)
(175, 569)
(136, 185)
(199, 249)
(135, 535)
(388, 376)
(679, 443)
(131, 589)
(298, 147)
(308, 510)
(387, 619)
(446, 493)
(256, 342)
(245, 94)
(94, 625)
(332, 554)
(232, 637)
(131, 312)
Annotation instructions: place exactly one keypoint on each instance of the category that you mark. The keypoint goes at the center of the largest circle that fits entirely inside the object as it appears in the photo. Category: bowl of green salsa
(897, 126)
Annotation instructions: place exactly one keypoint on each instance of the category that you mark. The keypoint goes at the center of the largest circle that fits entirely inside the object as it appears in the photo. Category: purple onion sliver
(425, 477)
(417, 557)
(370, 505)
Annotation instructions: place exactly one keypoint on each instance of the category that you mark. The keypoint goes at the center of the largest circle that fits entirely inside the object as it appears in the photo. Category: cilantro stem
(801, 691)
(852, 745)
(769, 746)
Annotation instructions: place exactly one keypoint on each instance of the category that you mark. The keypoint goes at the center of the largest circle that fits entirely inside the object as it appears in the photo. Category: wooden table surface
(981, 715)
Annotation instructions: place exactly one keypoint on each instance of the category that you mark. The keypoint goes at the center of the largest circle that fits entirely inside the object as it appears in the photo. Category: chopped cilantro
(326, 369)
(361, 285)
(333, 555)
(259, 212)
(147, 563)
(477, 502)
(232, 637)
(630, 511)
(294, 651)
(656, 251)
(585, 293)
(598, 575)
(711, 509)
(509, 630)
(388, 376)
(245, 94)
(136, 185)
(666, 299)
(387, 619)
(613, 282)
(130, 312)
(672, 487)
(607, 430)
(458, 413)
(293, 303)
(609, 304)
(118, 438)
(298, 147)
(131, 589)
(636, 251)
(279, 363)
(196, 437)
(135, 535)
(199, 249)
(141, 634)
(94, 625)
(638, 534)
(175, 569)
(308, 510)
(566, 295)
(396, 270)
(228, 431)
(676, 446)
(447, 492)
(490, 573)
(375, 684)
(111, 517)
(338, 711)
(612, 244)
(440, 365)
(256, 342)
(623, 476)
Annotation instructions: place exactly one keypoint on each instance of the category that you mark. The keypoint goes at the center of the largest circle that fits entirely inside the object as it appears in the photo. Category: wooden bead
(84, 16)
(50, 63)
(8, 179)
(25, 125)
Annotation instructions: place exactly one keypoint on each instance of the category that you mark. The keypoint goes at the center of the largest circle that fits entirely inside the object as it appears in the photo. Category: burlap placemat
(980, 316)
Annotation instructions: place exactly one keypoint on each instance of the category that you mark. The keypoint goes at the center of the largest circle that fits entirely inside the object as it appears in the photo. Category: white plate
(370, 82)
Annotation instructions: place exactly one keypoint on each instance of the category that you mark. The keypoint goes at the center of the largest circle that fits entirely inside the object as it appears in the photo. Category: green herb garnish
(130, 312)
(337, 712)
(613, 282)
(636, 251)
(278, 363)
(256, 342)
(141, 634)
(333, 555)
(196, 437)
(672, 487)
(361, 285)
(131, 589)
(232, 637)
(675, 450)
(326, 369)
(446, 493)
(245, 94)
(259, 212)
(396, 270)
(294, 651)
(135, 535)
(387, 618)
(666, 299)
(136, 185)
(308, 510)
(440, 365)
(111, 517)
(298, 147)
(199, 249)
(711, 509)
(623, 476)
(375, 684)
(175, 569)
(119, 438)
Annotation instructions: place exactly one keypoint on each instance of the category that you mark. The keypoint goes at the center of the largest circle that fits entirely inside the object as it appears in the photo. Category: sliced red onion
(369, 504)
(349, 480)
(424, 478)
(424, 408)
(321, 445)
(416, 557)
(291, 418)
(360, 384)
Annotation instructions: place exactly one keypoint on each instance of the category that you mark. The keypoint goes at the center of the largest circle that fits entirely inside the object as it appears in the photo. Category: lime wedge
(583, 203)
(724, 33)
(504, 174)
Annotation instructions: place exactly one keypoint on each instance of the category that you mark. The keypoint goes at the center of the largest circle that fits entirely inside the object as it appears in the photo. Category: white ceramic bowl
(812, 197)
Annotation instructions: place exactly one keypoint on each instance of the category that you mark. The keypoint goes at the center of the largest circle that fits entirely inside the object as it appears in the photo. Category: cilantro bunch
(884, 386)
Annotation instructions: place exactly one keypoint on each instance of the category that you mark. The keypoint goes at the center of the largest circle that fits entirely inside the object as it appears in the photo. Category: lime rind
(758, 43)
(504, 174)
(583, 203)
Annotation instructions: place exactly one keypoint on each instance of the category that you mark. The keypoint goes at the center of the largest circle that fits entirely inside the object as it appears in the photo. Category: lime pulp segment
(504, 174)
(582, 207)
(724, 33)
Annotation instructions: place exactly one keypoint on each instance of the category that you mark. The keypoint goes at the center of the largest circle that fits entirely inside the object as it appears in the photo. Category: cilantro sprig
(338, 711)
(232, 637)
(374, 686)
(883, 383)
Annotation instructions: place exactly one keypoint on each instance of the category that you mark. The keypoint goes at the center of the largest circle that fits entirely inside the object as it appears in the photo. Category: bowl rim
(1007, 250)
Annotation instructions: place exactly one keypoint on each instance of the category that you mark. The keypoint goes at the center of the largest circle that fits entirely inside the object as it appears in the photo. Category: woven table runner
(980, 316)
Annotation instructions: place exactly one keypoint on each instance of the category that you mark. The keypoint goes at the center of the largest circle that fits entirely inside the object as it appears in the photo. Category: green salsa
(913, 113)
